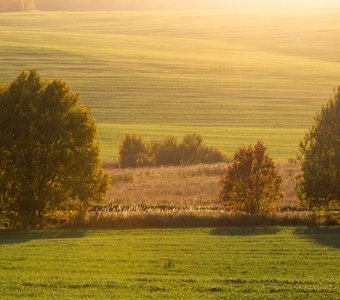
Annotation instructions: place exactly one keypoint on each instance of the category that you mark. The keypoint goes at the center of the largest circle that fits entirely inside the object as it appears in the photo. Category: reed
(191, 218)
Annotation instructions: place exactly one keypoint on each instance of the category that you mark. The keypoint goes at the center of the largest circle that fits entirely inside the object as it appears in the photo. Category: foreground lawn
(190, 263)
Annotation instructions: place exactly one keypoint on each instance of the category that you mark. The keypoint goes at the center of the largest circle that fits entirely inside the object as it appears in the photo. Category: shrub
(133, 151)
(190, 149)
(49, 157)
(252, 183)
(210, 155)
(166, 152)
(319, 184)
(193, 151)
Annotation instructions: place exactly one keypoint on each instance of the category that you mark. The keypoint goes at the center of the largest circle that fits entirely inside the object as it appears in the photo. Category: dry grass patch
(191, 218)
(193, 186)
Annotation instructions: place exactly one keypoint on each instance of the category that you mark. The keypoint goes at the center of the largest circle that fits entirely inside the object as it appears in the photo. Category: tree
(133, 151)
(211, 155)
(49, 157)
(166, 152)
(252, 183)
(194, 151)
(190, 149)
(319, 183)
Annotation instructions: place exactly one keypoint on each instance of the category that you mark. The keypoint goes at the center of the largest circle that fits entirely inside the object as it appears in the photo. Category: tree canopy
(133, 151)
(252, 183)
(49, 157)
(319, 183)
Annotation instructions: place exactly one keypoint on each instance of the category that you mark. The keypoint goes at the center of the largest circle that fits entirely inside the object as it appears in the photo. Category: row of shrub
(135, 152)
(95, 5)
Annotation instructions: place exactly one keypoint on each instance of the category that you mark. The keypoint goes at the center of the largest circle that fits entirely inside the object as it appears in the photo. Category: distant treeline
(69, 5)
(53, 5)
(135, 152)
(17, 5)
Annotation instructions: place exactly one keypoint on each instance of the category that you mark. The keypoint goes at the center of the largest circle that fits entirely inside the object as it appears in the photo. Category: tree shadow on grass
(245, 231)
(327, 236)
(19, 237)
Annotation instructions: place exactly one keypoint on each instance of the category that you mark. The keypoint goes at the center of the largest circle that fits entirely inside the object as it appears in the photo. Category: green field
(233, 76)
(233, 263)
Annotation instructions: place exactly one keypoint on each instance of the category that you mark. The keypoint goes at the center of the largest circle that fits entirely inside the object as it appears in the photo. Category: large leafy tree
(319, 183)
(252, 183)
(49, 157)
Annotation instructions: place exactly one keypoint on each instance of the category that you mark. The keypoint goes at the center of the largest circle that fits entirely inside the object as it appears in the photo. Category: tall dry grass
(180, 218)
(193, 186)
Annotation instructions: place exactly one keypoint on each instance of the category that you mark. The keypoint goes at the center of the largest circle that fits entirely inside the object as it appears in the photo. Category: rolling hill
(234, 76)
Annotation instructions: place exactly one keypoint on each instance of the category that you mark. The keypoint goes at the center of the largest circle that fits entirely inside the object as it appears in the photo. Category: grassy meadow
(232, 76)
(228, 263)
(187, 186)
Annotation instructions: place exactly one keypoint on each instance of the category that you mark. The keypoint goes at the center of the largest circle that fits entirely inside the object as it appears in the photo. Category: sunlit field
(67, 231)
(233, 263)
(232, 76)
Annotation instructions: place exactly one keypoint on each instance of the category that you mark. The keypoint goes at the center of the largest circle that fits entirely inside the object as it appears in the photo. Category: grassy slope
(233, 76)
(231, 263)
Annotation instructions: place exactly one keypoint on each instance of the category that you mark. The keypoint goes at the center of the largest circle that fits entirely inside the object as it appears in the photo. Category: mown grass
(228, 263)
(232, 76)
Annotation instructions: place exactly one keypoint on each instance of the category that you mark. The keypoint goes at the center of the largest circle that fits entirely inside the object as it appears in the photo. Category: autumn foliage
(252, 183)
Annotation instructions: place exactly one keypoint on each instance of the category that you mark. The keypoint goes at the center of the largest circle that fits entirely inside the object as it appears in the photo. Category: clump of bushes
(166, 152)
(135, 152)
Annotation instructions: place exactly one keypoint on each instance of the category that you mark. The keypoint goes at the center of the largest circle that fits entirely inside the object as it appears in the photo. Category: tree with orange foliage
(252, 183)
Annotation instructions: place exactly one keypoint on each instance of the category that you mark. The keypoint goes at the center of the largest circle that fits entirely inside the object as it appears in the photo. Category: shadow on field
(245, 231)
(19, 237)
(327, 236)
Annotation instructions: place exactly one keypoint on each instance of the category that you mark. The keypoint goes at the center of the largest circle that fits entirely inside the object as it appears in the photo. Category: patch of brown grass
(184, 186)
